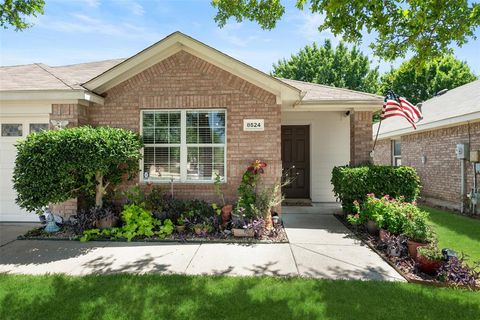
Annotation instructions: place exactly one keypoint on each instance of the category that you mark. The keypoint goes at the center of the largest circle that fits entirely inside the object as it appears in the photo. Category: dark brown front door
(296, 155)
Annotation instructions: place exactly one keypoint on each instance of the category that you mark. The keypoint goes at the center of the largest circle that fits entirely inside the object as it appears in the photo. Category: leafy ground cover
(456, 232)
(125, 296)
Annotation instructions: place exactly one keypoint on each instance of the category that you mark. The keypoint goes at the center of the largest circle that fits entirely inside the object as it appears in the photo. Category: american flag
(399, 106)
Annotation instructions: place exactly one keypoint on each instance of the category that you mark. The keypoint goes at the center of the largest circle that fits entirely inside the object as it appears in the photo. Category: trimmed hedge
(354, 183)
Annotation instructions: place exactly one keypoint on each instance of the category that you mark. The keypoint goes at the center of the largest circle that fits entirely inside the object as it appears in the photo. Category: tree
(13, 12)
(339, 67)
(427, 27)
(54, 166)
(420, 84)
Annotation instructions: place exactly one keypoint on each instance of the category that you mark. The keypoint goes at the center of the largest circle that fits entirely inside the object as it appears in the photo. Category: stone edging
(403, 274)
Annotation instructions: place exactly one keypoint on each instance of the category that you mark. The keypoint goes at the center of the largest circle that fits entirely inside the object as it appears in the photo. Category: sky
(75, 31)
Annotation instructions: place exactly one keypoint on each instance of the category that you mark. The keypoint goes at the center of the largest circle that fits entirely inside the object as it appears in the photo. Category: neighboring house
(449, 119)
(200, 112)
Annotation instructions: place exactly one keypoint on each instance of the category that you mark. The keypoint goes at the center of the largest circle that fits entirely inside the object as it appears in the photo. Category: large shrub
(54, 166)
(354, 183)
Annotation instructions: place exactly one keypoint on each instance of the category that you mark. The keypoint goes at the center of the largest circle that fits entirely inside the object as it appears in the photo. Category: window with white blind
(396, 153)
(183, 145)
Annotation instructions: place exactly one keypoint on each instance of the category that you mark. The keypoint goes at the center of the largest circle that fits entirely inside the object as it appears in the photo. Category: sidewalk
(320, 246)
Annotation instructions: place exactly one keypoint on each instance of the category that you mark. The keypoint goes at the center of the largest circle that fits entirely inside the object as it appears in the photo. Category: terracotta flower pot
(426, 265)
(413, 246)
(371, 227)
(226, 213)
(107, 222)
(180, 229)
(384, 235)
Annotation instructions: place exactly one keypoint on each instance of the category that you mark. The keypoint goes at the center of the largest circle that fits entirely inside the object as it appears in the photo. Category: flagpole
(376, 136)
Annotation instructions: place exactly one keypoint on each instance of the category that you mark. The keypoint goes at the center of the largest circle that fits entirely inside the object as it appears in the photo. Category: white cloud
(307, 25)
(81, 23)
(234, 33)
(137, 9)
(92, 3)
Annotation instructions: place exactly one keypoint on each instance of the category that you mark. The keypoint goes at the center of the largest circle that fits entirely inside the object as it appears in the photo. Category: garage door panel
(9, 210)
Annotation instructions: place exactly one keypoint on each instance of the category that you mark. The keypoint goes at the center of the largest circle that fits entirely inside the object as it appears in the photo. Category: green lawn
(205, 297)
(459, 233)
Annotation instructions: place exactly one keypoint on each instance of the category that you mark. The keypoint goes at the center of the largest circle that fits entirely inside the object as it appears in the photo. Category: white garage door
(13, 129)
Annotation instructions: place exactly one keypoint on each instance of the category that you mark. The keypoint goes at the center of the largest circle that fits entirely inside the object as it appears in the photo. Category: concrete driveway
(320, 246)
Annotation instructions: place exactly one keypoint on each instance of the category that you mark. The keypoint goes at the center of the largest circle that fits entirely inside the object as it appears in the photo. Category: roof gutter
(443, 123)
(51, 95)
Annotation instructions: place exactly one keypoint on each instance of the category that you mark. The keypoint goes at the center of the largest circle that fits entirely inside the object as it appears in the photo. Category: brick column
(76, 115)
(361, 140)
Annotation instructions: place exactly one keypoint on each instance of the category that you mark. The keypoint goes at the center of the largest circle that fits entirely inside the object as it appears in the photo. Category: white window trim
(395, 157)
(183, 147)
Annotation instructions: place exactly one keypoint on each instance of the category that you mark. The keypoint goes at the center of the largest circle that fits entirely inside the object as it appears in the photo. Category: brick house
(199, 111)
(448, 120)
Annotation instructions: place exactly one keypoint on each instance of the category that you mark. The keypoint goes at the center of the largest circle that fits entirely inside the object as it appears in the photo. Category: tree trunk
(100, 189)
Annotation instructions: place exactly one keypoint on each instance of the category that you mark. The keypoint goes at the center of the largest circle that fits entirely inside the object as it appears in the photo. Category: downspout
(462, 185)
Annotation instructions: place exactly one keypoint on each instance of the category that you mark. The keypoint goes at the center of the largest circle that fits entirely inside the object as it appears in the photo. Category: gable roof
(315, 93)
(451, 108)
(39, 76)
(99, 76)
(176, 42)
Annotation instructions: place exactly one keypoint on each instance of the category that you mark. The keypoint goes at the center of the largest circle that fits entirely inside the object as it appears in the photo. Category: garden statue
(51, 225)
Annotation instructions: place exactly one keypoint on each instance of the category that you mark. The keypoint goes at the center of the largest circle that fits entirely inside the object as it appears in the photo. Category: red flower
(257, 166)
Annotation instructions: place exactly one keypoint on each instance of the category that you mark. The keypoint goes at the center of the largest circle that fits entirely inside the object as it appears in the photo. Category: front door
(296, 155)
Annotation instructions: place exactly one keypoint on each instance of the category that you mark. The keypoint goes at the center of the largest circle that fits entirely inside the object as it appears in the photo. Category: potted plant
(241, 227)
(226, 211)
(202, 228)
(268, 199)
(105, 218)
(180, 226)
(429, 259)
(198, 228)
(364, 215)
(418, 232)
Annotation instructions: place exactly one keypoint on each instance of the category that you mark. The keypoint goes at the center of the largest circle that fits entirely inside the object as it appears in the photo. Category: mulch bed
(405, 266)
(66, 233)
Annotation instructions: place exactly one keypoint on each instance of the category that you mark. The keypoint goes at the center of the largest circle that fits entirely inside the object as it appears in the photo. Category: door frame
(308, 176)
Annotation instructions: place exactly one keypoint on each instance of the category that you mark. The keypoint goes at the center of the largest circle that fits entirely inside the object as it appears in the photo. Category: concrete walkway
(320, 246)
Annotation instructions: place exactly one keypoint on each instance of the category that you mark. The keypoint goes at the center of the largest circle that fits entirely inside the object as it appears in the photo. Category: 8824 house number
(253, 125)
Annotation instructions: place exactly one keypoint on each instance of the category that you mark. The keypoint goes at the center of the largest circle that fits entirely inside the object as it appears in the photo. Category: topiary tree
(54, 166)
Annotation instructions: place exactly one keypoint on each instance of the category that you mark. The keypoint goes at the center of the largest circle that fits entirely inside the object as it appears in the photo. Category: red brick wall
(185, 81)
(383, 152)
(440, 175)
(75, 114)
(361, 141)
(65, 209)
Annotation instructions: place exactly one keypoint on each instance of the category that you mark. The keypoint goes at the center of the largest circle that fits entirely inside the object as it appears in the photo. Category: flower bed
(398, 231)
(155, 216)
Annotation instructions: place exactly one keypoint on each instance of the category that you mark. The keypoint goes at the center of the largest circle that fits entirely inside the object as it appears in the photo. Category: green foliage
(166, 229)
(417, 229)
(13, 12)
(422, 83)
(338, 67)
(387, 213)
(218, 187)
(56, 165)
(137, 222)
(90, 234)
(431, 252)
(427, 27)
(355, 183)
(247, 193)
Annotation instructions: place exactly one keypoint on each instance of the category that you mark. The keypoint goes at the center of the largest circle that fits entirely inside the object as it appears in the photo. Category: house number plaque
(253, 125)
